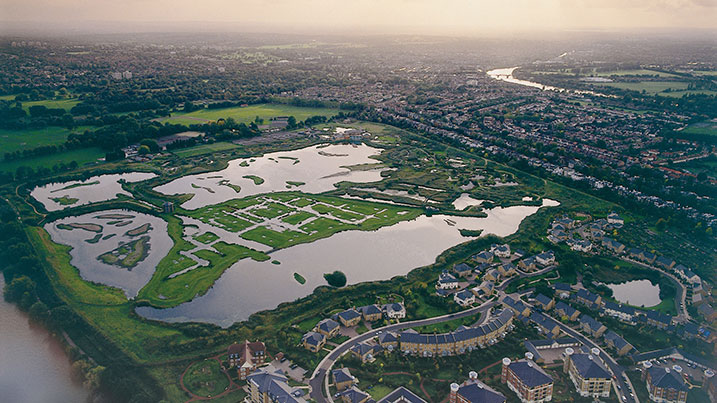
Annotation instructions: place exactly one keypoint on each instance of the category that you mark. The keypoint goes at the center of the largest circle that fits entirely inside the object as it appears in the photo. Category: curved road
(320, 376)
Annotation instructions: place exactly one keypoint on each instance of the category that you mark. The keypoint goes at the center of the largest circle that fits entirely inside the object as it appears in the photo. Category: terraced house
(530, 382)
(458, 342)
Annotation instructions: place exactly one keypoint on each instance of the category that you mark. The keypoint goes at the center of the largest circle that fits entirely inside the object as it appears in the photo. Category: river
(33, 365)
(506, 74)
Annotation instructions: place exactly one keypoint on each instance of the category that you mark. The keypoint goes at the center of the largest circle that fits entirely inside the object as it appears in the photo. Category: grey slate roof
(543, 321)
(567, 309)
(401, 395)
(313, 338)
(543, 299)
(586, 295)
(593, 324)
(667, 379)
(616, 339)
(370, 309)
(342, 375)
(349, 314)
(327, 325)
(461, 333)
(354, 394)
(589, 366)
(530, 373)
(273, 382)
(478, 392)
(462, 268)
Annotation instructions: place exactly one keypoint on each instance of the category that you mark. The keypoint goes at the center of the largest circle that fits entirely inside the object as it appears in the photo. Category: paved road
(320, 376)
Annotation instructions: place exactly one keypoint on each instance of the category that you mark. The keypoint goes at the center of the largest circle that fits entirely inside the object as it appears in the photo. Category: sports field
(650, 87)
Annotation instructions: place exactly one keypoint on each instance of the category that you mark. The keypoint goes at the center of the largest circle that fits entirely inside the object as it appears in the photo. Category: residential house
(485, 289)
(614, 219)
(545, 258)
(592, 326)
(585, 297)
(354, 395)
(313, 341)
(588, 374)
(528, 264)
(665, 385)
(462, 270)
(616, 341)
(546, 325)
(642, 255)
(270, 385)
(343, 379)
(363, 351)
(371, 313)
(246, 357)
(394, 310)
(507, 269)
(446, 281)
(492, 275)
(563, 290)
(517, 306)
(349, 317)
(464, 298)
(474, 391)
(565, 310)
(501, 251)
(388, 340)
(530, 382)
(546, 303)
(658, 319)
(328, 327)
(665, 262)
(484, 257)
(622, 312)
(582, 245)
(613, 245)
(707, 312)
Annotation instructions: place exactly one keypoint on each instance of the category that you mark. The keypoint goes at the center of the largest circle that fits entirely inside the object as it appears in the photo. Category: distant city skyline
(387, 16)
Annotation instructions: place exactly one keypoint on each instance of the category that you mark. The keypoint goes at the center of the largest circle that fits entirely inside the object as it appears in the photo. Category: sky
(396, 16)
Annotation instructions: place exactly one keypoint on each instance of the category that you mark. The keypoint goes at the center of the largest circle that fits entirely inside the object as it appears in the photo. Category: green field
(650, 87)
(204, 149)
(247, 114)
(81, 156)
(18, 140)
(65, 104)
(640, 72)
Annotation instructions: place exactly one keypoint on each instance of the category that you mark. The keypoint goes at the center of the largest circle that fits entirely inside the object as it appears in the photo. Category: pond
(33, 365)
(636, 293)
(58, 196)
(249, 286)
(119, 248)
(311, 170)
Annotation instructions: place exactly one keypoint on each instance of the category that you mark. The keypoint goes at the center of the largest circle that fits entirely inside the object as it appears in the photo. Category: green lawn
(650, 87)
(204, 149)
(81, 156)
(640, 72)
(247, 114)
(207, 237)
(18, 140)
(205, 378)
(65, 104)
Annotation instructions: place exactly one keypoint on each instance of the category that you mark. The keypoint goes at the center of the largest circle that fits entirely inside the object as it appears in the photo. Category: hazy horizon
(462, 17)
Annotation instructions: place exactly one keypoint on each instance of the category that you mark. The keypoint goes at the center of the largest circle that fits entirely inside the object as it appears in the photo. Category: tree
(336, 279)
(19, 286)
(151, 144)
(143, 150)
